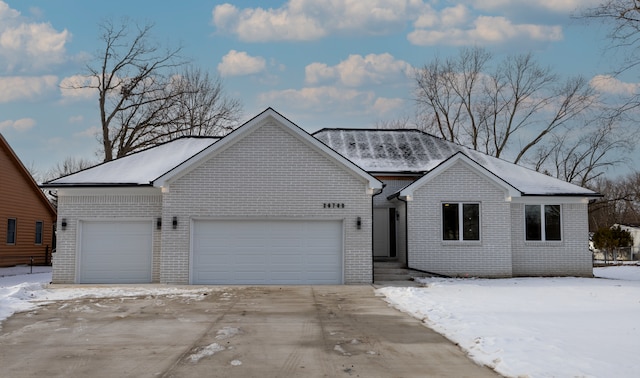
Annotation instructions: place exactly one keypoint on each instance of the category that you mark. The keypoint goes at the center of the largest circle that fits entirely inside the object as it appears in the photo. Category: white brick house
(267, 204)
(453, 211)
(271, 204)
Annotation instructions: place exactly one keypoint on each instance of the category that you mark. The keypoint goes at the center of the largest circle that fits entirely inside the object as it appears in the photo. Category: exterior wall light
(64, 224)
(158, 223)
(359, 223)
(175, 222)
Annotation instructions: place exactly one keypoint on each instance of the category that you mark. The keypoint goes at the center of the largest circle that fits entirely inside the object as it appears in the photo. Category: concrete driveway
(293, 331)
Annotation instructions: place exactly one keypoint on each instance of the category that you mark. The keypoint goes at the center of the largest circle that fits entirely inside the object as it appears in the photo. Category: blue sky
(338, 63)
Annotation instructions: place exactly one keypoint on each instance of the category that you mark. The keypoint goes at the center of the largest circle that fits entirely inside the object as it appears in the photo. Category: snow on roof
(412, 151)
(140, 168)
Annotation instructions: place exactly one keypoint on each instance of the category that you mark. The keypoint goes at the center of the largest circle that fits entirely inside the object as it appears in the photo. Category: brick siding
(569, 257)
(119, 205)
(489, 257)
(268, 174)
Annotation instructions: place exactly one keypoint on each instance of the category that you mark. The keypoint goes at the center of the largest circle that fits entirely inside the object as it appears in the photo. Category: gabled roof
(407, 192)
(413, 151)
(159, 165)
(249, 127)
(140, 168)
(24, 172)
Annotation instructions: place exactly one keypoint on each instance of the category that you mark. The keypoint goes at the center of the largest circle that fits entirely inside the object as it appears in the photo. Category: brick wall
(489, 257)
(116, 205)
(569, 257)
(269, 173)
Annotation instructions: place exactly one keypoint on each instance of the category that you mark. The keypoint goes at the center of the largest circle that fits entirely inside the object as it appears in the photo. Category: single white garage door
(266, 252)
(115, 252)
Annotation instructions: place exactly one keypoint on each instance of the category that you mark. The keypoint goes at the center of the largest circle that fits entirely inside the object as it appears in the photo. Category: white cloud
(90, 132)
(486, 30)
(384, 105)
(6, 12)
(29, 45)
(557, 6)
(16, 88)
(74, 88)
(468, 22)
(611, 85)
(304, 20)
(22, 124)
(358, 70)
(327, 99)
(450, 17)
(237, 63)
(76, 119)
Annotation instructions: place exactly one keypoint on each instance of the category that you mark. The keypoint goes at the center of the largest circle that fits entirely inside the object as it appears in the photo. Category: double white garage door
(222, 252)
(266, 252)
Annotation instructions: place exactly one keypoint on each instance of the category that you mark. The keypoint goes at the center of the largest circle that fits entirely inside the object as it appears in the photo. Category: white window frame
(543, 225)
(461, 222)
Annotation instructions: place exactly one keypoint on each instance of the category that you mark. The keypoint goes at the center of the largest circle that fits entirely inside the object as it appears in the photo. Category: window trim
(543, 225)
(460, 205)
(14, 234)
(40, 234)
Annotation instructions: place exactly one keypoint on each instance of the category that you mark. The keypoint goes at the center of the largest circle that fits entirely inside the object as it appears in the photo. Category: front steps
(384, 271)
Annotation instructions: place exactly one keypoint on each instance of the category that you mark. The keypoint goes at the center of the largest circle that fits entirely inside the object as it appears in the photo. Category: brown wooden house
(27, 218)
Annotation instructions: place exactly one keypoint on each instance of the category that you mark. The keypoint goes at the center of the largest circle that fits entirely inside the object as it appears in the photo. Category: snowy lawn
(22, 291)
(522, 327)
(536, 327)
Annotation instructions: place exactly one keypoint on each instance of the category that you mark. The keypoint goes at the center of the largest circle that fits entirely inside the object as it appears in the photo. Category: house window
(39, 225)
(460, 221)
(543, 222)
(11, 231)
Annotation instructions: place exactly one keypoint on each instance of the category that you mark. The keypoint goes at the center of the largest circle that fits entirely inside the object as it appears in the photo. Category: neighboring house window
(543, 222)
(460, 221)
(11, 231)
(39, 225)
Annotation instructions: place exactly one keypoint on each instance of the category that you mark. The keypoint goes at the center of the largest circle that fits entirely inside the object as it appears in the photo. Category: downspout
(406, 240)
(372, 257)
(406, 230)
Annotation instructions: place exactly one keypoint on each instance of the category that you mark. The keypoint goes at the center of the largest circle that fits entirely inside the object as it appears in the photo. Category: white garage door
(115, 252)
(267, 252)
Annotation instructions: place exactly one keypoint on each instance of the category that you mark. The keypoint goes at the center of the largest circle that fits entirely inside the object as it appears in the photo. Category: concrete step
(393, 271)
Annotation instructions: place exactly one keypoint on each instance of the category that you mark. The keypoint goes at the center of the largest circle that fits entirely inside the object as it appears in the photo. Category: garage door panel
(267, 252)
(115, 252)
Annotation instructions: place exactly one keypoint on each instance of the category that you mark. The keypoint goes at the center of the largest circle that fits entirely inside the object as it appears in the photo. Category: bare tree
(518, 110)
(404, 122)
(620, 203)
(147, 95)
(519, 103)
(202, 107)
(68, 166)
(582, 155)
(448, 91)
(623, 17)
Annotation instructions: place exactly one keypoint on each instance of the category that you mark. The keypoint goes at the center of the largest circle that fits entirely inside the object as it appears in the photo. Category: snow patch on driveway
(207, 351)
(227, 332)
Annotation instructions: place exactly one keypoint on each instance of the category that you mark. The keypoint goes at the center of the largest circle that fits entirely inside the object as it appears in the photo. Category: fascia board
(551, 199)
(100, 191)
(510, 191)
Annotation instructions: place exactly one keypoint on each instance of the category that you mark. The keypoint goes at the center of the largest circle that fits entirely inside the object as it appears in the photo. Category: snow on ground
(21, 290)
(536, 327)
(521, 327)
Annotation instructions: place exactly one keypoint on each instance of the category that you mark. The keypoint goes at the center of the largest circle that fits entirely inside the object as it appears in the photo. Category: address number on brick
(332, 205)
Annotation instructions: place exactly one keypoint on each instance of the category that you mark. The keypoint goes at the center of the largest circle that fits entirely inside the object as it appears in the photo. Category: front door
(384, 232)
